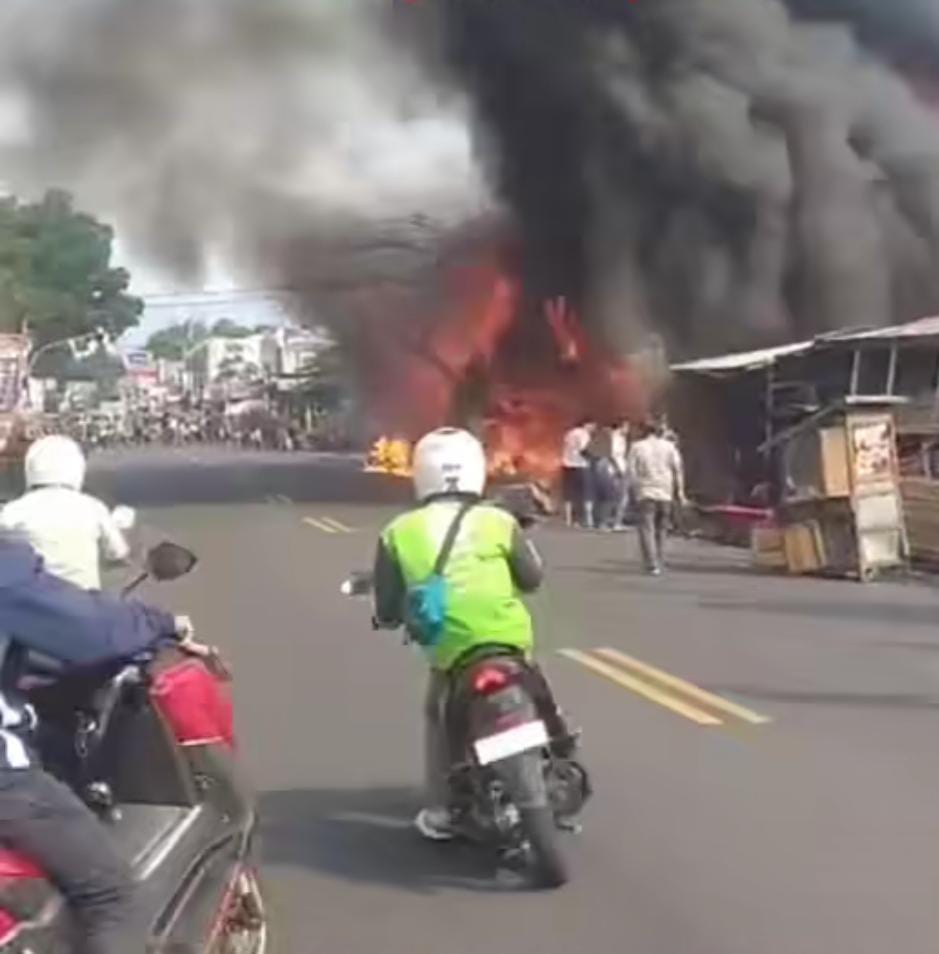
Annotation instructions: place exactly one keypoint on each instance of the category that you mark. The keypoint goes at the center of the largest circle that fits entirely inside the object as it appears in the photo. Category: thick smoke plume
(720, 172)
(215, 128)
(725, 172)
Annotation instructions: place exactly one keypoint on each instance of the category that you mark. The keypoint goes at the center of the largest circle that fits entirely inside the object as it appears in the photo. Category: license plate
(520, 738)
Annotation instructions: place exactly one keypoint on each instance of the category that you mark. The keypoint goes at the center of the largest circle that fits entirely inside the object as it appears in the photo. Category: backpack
(425, 603)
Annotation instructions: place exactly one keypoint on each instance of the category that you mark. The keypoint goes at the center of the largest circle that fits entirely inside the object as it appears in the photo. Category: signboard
(141, 368)
(138, 359)
(873, 451)
(14, 350)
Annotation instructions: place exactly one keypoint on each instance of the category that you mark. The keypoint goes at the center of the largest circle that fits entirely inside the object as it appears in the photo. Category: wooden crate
(921, 508)
(804, 548)
(767, 548)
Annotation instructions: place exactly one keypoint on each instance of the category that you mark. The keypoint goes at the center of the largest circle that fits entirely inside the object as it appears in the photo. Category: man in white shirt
(576, 483)
(619, 451)
(70, 530)
(656, 476)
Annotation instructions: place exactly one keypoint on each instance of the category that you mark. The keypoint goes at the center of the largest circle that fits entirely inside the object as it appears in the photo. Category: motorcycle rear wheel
(245, 930)
(524, 780)
(548, 865)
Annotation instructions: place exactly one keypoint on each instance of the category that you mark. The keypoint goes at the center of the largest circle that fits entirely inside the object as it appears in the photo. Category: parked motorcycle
(150, 747)
(512, 787)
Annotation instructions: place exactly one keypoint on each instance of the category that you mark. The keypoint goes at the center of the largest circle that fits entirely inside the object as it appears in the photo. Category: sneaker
(435, 824)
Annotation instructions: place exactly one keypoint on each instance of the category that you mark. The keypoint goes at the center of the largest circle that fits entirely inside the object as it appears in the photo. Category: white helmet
(55, 461)
(448, 461)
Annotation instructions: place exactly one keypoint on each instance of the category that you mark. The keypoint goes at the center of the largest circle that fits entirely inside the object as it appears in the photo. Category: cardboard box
(805, 552)
(767, 548)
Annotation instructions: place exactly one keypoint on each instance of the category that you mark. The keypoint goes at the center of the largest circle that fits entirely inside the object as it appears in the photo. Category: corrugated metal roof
(743, 360)
(921, 328)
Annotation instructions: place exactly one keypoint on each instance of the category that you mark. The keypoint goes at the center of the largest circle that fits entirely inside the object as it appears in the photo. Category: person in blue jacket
(39, 816)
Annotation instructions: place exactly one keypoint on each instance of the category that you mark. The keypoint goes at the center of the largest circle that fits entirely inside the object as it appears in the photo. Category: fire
(516, 373)
(390, 455)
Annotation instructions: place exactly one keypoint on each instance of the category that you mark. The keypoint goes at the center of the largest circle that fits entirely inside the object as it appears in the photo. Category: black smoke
(726, 172)
(723, 173)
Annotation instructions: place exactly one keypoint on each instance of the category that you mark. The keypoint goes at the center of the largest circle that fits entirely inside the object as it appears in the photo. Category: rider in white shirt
(71, 530)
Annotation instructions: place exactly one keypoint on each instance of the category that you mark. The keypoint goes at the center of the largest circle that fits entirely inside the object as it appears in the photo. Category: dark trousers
(653, 524)
(46, 821)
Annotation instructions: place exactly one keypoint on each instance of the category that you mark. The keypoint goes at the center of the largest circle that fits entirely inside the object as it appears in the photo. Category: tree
(173, 342)
(56, 278)
(226, 328)
(325, 376)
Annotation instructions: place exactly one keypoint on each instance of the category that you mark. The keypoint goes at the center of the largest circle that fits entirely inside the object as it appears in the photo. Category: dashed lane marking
(320, 525)
(338, 524)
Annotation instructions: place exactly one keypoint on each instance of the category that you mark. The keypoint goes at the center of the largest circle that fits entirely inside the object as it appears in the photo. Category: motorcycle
(513, 788)
(149, 745)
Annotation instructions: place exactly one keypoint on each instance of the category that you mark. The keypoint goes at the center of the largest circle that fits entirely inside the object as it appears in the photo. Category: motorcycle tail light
(490, 679)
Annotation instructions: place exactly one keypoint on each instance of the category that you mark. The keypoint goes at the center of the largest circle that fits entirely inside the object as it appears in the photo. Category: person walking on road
(619, 450)
(656, 475)
(576, 474)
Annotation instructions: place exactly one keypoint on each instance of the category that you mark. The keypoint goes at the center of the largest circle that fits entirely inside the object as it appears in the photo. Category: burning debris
(516, 373)
(391, 456)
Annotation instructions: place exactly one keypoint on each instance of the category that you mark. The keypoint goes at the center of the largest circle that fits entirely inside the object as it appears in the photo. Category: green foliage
(226, 328)
(56, 278)
(173, 342)
(326, 377)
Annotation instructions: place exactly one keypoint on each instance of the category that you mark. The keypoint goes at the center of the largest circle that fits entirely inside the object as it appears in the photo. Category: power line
(173, 299)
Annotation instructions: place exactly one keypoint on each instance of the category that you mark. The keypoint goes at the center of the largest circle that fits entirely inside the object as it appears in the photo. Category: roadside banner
(14, 350)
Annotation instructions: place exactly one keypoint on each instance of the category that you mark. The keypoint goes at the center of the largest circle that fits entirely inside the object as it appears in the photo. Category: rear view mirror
(124, 518)
(358, 584)
(169, 561)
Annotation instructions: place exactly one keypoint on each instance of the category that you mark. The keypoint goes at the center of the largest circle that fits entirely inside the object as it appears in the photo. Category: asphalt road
(795, 810)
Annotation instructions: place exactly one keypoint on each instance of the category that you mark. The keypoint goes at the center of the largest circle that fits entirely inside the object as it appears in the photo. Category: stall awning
(743, 360)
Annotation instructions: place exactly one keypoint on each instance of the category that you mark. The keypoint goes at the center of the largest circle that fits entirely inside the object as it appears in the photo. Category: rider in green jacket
(491, 564)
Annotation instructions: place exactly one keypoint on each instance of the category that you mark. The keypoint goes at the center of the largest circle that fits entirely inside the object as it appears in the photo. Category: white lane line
(341, 527)
(325, 527)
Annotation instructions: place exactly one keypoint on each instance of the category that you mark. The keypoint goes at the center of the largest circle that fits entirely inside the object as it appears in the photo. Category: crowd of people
(171, 428)
(620, 475)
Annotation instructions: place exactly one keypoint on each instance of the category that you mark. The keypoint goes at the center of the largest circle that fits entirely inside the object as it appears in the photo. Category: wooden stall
(840, 510)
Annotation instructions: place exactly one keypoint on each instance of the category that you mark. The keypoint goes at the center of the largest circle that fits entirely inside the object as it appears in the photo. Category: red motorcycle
(149, 745)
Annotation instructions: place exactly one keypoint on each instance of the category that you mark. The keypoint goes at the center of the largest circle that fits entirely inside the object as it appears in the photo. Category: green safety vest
(484, 605)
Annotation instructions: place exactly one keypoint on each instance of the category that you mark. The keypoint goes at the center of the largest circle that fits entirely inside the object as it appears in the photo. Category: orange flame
(389, 455)
(479, 363)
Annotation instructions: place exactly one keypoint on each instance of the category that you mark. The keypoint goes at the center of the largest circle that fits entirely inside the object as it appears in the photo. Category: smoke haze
(724, 173)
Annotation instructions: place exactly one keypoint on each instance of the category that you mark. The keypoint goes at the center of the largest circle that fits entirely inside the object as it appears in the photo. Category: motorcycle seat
(482, 653)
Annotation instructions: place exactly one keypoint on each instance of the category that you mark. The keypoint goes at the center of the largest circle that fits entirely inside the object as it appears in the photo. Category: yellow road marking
(641, 688)
(337, 524)
(325, 527)
(684, 687)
